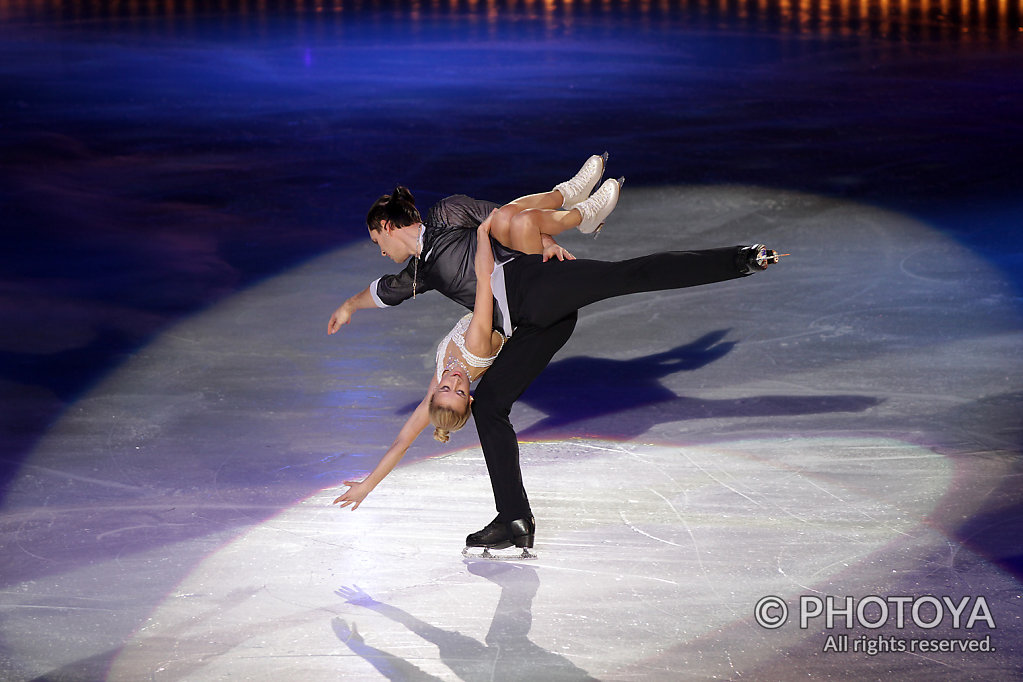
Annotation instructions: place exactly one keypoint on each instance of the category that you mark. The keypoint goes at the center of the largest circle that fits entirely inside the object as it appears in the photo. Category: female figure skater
(468, 350)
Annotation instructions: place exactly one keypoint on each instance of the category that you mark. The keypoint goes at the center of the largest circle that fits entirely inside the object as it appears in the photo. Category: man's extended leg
(524, 356)
(541, 293)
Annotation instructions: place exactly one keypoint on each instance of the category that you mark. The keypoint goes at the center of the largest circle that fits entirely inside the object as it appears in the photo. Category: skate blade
(509, 554)
(621, 183)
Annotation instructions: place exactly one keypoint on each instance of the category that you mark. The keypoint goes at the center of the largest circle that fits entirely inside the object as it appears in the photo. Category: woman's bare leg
(501, 223)
(528, 227)
(520, 224)
(551, 200)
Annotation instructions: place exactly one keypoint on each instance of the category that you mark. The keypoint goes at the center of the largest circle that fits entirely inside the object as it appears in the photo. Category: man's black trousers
(543, 300)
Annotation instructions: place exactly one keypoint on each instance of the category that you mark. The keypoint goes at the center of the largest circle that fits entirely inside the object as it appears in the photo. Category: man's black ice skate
(499, 535)
(755, 258)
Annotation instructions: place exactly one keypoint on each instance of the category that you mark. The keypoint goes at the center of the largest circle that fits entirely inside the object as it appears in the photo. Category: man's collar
(422, 243)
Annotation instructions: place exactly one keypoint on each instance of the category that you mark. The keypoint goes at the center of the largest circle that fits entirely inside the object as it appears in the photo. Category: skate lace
(577, 183)
(591, 206)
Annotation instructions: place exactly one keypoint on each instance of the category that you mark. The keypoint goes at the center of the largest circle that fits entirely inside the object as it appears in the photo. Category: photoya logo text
(873, 612)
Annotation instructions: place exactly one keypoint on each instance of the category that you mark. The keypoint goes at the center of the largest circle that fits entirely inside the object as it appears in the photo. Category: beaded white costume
(452, 351)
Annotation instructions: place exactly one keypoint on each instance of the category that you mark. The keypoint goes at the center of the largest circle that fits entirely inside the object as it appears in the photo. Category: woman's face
(452, 390)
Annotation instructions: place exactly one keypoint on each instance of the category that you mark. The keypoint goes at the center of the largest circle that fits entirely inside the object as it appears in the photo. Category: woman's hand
(356, 493)
(484, 229)
(556, 251)
(484, 262)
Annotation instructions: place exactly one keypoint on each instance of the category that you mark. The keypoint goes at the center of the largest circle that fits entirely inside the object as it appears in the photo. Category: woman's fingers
(345, 499)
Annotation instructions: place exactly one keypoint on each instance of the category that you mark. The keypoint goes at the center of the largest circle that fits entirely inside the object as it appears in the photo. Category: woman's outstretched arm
(414, 425)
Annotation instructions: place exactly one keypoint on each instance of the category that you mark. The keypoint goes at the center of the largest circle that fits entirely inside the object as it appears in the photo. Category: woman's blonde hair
(445, 420)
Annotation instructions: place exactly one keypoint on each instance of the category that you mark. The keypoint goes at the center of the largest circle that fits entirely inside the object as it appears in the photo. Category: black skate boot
(500, 535)
(754, 258)
(523, 531)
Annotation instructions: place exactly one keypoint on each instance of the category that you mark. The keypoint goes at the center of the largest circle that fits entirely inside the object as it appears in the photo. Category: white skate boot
(583, 182)
(597, 208)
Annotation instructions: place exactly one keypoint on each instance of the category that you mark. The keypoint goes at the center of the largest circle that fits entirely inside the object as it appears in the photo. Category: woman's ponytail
(445, 420)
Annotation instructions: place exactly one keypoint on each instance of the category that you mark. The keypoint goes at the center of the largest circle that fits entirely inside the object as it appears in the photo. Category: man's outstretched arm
(343, 315)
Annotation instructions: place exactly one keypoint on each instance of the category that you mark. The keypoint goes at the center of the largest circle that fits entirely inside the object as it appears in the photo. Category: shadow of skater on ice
(506, 653)
(577, 394)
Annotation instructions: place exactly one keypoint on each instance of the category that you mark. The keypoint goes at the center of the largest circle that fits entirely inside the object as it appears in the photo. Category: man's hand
(556, 251)
(341, 316)
(551, 249)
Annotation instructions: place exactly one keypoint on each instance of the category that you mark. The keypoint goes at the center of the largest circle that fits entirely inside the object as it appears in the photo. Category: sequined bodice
(452, 351)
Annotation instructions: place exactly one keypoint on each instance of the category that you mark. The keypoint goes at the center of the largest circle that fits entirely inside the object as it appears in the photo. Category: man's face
(390, 246)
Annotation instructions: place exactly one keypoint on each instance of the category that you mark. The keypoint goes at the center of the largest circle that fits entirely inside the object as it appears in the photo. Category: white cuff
(373, 294)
